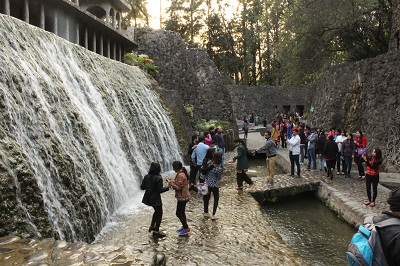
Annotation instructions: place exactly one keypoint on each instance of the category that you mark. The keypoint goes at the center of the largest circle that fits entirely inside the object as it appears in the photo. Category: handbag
(361, 151)
(202, 188)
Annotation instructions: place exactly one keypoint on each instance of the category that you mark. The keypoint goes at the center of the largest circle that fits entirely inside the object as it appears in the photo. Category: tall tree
(138, 15)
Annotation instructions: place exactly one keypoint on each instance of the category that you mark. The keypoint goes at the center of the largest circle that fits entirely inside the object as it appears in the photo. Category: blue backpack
(365, 248)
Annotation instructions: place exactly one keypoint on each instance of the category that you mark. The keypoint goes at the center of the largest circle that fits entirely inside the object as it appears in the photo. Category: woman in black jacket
(153, 184)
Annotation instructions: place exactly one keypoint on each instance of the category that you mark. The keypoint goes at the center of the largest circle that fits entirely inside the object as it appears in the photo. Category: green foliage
(142, 61)
(138, 14)
(204, 125)
(189, 109)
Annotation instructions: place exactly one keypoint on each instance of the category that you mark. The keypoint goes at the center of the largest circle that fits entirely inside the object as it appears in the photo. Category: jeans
(180, 212)
(361, 171)
(294, 159)
(374, 180)
(311, 157)
(206, 199)
(302, 152)
(347, 164)
(338, 160)
(321, 161)
(222, 150)
(157, 216)
(193, 173)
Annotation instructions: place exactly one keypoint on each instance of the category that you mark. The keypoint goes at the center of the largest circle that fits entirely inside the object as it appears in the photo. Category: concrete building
(93, 24)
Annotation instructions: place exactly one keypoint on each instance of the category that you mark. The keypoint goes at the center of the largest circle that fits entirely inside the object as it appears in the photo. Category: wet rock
(160, 259)
(91, 257)
(37, 256)
(8, 239)
(6, 250)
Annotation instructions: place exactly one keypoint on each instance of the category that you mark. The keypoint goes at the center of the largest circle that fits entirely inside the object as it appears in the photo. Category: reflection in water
(311, 228)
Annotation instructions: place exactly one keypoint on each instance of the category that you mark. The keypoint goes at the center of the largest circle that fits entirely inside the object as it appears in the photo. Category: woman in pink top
(207, 138)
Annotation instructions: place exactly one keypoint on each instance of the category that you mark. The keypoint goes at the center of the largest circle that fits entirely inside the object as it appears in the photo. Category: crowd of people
(207, 162)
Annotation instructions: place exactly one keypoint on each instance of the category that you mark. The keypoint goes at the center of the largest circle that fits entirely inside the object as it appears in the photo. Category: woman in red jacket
(374, 163)
(361, 142)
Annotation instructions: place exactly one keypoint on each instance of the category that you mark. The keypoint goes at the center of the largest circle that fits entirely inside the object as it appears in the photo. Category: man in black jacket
(390, 236)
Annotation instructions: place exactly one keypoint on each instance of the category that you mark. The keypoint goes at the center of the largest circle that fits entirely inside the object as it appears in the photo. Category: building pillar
(7, 7)
(86, 41)
(101, 44)
(108, 17)
(108, 48)
(42, 16)
(113, 21)
(26, 11)
(67, 29)
(94, 44)
(114, 50)
(77, 2)
(77, 33)
(55, 22)
(119, 52)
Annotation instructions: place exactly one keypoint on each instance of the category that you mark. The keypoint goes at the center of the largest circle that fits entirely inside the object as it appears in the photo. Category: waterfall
(78, 132)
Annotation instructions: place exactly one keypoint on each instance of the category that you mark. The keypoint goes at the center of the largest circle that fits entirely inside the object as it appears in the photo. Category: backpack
(365, 248)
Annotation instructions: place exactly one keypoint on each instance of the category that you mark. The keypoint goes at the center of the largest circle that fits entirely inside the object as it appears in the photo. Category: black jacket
(330, 149)
(153, 184)
(390, 238)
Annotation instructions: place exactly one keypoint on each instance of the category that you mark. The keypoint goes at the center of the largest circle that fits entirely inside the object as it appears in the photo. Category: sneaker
(206, 215)
(184, 232)
(338, 173)
(180, 229)
(367, 202)
(239, 188)
(362, 178)
(297, 176)
(214, 218)
(151, 228)
(270, 183)
(372, 204)
(159, 235)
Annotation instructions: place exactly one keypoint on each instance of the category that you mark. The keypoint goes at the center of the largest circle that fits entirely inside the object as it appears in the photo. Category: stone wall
(265, 101)
(363, 96)
(394, 43)
(186, 76)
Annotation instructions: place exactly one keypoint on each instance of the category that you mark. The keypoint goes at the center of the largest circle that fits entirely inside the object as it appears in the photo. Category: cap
(394, 200)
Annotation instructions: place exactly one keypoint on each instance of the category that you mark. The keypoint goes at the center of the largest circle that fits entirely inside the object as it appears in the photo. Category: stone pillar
(77, 2)
(120, 24)
(94, 44)
(67, 29)
(55, 22)
(113, 21)
(119, 52)
(7, 7)
(114, 50)
(108, 48)
(42, 16)
(77, 33)
(108, 17)
(101, 44)
(86, 41)
(26, 11)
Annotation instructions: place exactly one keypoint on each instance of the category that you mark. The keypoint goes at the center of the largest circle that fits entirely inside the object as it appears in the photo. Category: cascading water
(78, 131)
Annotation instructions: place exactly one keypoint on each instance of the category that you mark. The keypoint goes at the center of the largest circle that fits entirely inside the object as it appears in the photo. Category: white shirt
(294, 144)
(339, 140)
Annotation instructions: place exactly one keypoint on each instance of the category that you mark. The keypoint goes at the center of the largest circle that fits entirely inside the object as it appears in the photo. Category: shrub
(142, 61)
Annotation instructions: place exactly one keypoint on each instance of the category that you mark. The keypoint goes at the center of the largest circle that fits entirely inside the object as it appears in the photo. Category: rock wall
(187, 76)
(363, 96)
(265, 101)
(394, 43)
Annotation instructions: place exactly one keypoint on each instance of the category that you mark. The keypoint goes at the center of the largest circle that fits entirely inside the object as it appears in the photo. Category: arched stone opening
(97, 11)
(112, 18)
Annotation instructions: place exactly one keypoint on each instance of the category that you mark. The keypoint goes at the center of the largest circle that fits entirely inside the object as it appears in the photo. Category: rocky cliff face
(363, 96)
(187, 76)
(77, 133)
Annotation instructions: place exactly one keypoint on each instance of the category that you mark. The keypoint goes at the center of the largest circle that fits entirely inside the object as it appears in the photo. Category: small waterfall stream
(78, 132)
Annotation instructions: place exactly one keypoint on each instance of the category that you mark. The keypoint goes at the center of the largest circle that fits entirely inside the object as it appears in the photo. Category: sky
(153, 8)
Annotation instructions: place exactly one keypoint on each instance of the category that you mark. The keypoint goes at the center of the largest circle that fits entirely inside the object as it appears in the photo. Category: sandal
(367, 202)
(372, 204)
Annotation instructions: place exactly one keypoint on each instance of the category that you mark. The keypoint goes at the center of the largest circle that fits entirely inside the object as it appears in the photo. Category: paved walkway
(343, 195)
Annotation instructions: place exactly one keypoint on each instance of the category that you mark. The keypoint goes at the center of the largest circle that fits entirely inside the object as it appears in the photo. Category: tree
(138, 15)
